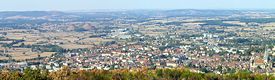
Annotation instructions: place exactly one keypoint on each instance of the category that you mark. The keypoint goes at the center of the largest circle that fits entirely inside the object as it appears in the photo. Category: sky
(71, 5)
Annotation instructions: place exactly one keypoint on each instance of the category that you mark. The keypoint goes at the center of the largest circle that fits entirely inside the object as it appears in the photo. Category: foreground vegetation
(123, 74)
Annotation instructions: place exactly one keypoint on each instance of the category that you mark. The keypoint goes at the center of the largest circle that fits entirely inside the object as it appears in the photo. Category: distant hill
(18, 19)
(194, 12)
(31, 13)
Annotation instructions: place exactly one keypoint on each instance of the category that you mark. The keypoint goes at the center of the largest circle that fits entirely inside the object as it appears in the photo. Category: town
(198, 39)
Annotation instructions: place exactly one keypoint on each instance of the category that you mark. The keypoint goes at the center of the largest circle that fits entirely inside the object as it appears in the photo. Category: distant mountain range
(144, 13)
(31, 13)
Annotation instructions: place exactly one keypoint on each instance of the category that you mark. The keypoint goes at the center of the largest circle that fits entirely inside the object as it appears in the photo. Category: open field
(74, 46)
(23, 54)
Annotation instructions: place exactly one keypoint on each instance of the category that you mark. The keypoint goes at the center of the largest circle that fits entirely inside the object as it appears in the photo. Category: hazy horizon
(87, 5)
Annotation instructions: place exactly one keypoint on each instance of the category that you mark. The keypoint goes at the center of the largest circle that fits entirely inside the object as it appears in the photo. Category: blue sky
(67, 5)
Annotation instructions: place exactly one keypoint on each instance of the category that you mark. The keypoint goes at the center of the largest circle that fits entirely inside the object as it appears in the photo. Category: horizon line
(111, 10)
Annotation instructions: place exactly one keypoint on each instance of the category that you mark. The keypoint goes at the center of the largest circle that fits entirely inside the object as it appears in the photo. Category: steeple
(266, 55)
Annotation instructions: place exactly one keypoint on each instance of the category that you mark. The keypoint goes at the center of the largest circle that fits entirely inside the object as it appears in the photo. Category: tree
(34, 74)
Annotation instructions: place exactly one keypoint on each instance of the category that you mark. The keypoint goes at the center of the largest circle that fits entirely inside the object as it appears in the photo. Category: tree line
(125, 74)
